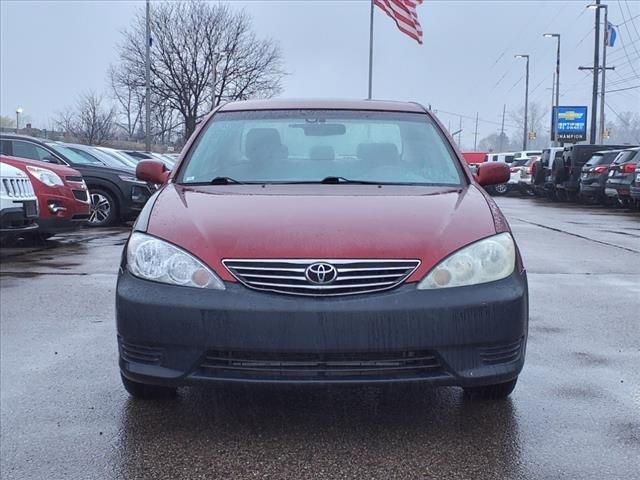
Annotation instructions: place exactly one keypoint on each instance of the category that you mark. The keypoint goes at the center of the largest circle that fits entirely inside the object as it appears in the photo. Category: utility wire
(622, 89)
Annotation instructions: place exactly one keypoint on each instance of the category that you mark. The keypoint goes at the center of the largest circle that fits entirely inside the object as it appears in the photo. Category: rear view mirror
(153, 171)
(51, 159)
(493, 173)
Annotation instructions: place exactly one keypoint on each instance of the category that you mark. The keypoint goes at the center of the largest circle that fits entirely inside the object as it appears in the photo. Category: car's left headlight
(153, 259)
(45, 175)
(486, 260)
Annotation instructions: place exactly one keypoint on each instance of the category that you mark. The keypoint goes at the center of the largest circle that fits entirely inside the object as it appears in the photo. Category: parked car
(594, 176)
(565, 175)
(542, 171)
(622, 172)
(18, 203)
(308, 253)
(525, 174)
(506, 157)
(63, 198)
(167, 160)
(634, 189)
(115, 193)
(102, 156)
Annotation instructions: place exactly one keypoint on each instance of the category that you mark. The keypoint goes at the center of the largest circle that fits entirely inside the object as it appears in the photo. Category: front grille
(505, 353)
(18, 187)
(73, 178)
(140, 353)
(292, 276)
(319, 366)
(81, 195)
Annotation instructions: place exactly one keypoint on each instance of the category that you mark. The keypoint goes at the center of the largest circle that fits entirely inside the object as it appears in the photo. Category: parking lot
(574, 414)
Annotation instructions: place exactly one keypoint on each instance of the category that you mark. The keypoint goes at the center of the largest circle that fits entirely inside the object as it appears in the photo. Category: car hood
(61, 170)
(104, 169)
(321, 222)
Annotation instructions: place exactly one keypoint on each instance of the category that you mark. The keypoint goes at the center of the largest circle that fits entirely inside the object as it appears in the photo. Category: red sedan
(321, 242)
(63, 198)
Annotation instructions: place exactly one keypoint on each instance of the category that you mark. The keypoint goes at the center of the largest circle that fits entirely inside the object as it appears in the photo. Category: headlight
(45, 175)
(484, 261)
(153, 259)
(131, 179)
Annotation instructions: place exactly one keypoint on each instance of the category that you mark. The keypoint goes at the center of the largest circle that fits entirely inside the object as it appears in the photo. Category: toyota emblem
(321, 273)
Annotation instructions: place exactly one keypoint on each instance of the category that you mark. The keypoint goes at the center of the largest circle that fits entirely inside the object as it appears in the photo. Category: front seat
(263, 145)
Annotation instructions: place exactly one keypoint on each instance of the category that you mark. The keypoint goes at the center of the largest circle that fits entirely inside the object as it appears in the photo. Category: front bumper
(466, 336)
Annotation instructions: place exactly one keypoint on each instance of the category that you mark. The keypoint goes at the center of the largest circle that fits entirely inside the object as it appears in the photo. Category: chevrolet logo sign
(570, 115)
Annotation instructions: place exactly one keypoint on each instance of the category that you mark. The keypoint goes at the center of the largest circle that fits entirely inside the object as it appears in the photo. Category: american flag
(403, 12)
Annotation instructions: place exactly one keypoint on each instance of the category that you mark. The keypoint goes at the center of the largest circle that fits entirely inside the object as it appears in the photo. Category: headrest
(264, 143)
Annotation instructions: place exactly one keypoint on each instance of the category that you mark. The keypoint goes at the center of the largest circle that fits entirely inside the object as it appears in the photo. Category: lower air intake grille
(506, 353)
(81, 195)
(319, 366)
(140, 353)
(321, 277)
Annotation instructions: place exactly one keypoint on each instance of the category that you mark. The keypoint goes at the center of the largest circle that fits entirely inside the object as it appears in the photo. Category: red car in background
(63, 198)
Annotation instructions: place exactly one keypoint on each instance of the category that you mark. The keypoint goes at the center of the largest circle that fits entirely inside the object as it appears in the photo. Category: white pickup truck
(18, 203)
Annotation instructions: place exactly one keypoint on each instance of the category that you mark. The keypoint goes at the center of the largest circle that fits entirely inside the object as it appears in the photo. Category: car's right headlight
(486, 260)
(153, 259)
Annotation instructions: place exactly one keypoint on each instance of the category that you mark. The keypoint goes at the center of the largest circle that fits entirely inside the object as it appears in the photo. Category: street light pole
(148, 82)
(18, 112)
(596, 66)
(557, 103)
(526, 102)
(604, 72)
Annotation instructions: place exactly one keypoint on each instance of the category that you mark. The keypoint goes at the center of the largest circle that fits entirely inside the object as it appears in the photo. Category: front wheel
(501, 189)
(104, 210)
(142, 390)
(491, 392)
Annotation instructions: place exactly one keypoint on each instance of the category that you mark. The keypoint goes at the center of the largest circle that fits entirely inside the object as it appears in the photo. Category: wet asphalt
(575, 413)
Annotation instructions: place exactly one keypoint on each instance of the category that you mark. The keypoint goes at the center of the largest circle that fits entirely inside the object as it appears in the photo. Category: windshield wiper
(336, 180)
(225, 181)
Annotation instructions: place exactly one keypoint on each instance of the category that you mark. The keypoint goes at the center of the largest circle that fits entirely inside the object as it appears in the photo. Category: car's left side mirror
(153, 171)
(493, 173)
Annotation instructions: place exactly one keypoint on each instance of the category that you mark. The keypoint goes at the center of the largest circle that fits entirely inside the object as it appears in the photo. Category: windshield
(289, 146)
(120, 157)
(74, 157)
(594, 160)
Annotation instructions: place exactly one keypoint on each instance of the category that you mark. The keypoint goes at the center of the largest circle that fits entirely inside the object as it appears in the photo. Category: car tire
(499, 190)
(144, 391)
(491, 392)
(104, 209)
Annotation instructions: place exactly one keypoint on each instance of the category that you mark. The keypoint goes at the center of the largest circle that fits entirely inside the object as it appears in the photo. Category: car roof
(321, 104)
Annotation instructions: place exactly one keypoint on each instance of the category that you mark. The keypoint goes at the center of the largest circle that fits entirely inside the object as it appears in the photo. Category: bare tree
(128, 90)
(538, 121)
(89, 122)
(186, 39)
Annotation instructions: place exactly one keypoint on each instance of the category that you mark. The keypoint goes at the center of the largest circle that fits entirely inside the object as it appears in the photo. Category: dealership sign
(569, 124)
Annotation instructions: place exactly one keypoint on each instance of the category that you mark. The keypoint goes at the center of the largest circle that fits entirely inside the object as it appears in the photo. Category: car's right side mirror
(493, 173)
(153, 171)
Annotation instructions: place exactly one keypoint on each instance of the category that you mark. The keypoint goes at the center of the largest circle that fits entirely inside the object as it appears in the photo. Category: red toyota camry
(321, 242)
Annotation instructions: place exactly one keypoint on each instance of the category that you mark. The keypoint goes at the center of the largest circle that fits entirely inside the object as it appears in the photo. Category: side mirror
(153, 171)
(493, 173)
(51, 159)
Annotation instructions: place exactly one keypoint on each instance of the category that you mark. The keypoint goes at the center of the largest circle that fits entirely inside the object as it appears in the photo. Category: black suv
(116, 194)
(565, 174)
(594, 176)
(622, 173)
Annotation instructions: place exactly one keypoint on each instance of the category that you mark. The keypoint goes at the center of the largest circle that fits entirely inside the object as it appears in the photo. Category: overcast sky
(52, 50)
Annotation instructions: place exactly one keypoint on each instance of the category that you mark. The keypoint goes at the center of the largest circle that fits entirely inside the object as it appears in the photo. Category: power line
(633, 24)
(623, 89)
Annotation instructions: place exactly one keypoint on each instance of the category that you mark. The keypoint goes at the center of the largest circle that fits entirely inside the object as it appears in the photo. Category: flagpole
(370, 50)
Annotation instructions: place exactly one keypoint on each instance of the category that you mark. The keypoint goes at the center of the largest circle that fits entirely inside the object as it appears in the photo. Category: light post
(597, 7)
(557, 37)
(526, 101)
(18, 112)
